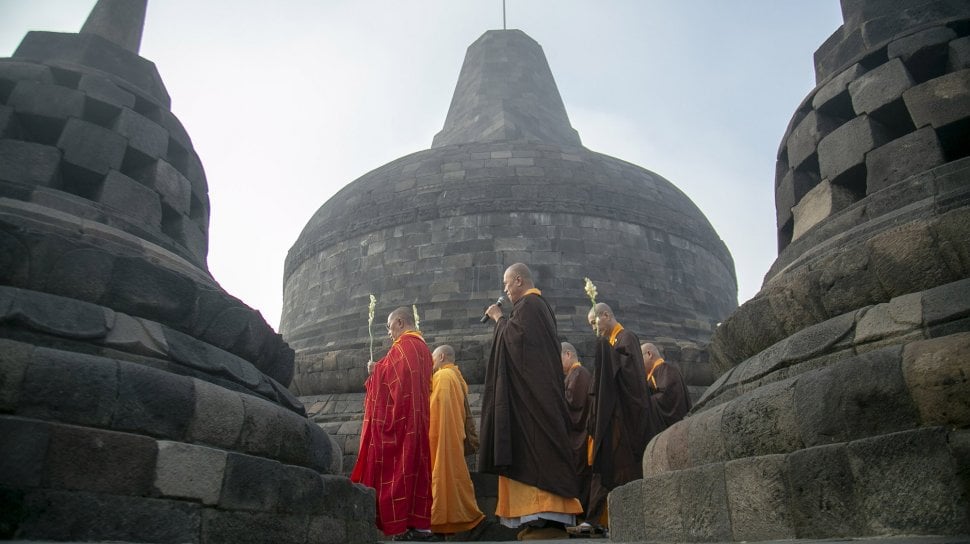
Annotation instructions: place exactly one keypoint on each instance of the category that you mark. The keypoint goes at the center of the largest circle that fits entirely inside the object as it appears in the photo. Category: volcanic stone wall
(842, 409)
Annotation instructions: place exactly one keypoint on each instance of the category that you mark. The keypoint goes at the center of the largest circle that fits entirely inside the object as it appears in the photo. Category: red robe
(395, 452)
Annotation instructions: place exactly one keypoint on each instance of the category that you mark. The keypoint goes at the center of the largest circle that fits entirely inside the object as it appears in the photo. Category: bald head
(516, 281)
(601, 318)
(569, 356)
(399, 321)
(650, 354)
(443, 355)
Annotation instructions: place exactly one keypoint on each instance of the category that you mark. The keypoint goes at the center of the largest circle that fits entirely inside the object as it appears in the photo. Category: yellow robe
(453, 506)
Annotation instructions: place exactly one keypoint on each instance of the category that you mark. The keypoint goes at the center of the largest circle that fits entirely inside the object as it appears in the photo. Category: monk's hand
(494, 312)
(370, 367)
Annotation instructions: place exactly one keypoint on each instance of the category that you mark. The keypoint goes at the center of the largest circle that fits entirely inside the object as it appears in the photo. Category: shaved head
(521, 270)
(446, 352)
(404, 314)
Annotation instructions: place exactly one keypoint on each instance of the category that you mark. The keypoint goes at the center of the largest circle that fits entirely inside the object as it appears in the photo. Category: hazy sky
(288, 101)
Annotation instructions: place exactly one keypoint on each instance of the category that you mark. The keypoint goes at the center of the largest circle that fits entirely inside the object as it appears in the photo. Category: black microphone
(497, 303)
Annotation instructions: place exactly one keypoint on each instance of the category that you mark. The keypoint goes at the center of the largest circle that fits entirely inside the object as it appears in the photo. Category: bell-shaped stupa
(506, 180)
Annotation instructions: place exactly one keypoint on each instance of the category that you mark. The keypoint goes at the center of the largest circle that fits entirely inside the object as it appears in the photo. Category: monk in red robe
(395, 452)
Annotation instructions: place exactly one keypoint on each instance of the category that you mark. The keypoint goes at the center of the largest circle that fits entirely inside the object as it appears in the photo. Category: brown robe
(577, 383)
(670, 399)
(524, 416)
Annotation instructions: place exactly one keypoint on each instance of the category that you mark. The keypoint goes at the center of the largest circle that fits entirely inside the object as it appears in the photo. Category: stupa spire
(506, 92)
(118, 21)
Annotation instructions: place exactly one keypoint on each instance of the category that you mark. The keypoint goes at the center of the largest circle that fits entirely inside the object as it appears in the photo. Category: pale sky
(286, 102)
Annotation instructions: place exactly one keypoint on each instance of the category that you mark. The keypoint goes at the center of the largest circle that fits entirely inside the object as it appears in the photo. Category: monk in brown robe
(620, 423)
(395, 457)
(524, 437)
(669, 397)
(577, 385)
(453, 506)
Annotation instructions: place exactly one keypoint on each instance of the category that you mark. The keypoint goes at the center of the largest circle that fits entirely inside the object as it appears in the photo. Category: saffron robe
(669, 397)
(453, 508)
(524, 422)
(395, 456)
(577, 383)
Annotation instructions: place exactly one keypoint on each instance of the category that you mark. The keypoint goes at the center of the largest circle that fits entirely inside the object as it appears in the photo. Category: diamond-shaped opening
(198, 212)
(839, 108)
(955, 139)
(100, 113)
(853, 179)
(172, 224)
(928, 63)
(147, 108)
(80, 181)
(875, 59)
(895, 118)
(808, 171)
(178, 156)
(65, 78)
(40, 129)
(135, 163)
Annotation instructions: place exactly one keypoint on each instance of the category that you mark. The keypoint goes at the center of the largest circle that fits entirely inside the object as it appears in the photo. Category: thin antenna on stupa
(118, 21)
(503, 15)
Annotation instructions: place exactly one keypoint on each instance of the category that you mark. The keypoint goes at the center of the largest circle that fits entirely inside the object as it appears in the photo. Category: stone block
(705, 443)
(759, 499)
(704, 506)
(791, 189)
(879, 87)
(250, 483)
(804, 138)
(907, 484)
(89, 517)
(143, 134)
(898, 316)
(52, 314)
(937, 374)
(959, 54)
(329, 530)
(678, 455)
(846, 147)
(901, 158)
(294, 434)
(14, 358)
(13, 71)
(655, 460)
(663, 508)
(941, 101)
(87, 459)
(302, 491)
(153, 402)
(217, 415)
(906, 259)
(946, 302)
(104, 90)
(761, 422)
(190, 472)
(46, 100)
(91, 147)
(910, 48)
(174, 188)
(836, 86)
(137, 336)
(69, 387)
(81, 274)
(823, 201)
(29, 163)
(9, 127)
(132, 199)
(23, 447)
(143, 289)
(220, 527)
(628, 512)
(259, 434)
(823, 493)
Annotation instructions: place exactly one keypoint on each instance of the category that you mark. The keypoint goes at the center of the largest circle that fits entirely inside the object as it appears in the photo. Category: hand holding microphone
(498, 303)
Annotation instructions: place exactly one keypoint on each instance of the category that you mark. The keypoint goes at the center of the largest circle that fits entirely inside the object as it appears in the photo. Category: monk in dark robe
(577, 384)
(669, 397)
(621, 423)
(524, 437)
(395, 451)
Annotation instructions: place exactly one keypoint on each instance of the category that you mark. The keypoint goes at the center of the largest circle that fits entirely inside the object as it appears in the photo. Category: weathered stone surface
(302, 491)
(950, 232)
(921, 269)
(23, 447)
(959, 54)
(104, 90)
(836, 86)
(898, 316)
(937, 374)
(901, 158)
(705, 443)
(879, 87)
(804, 138)
(137, 336)
(80, 274)
(131, 198)
(153, 402)
(913, 47)
(91, 147)
(758, 498)
(29, 163)
(663, 508)
(947, 302)
(14, 358)
(328, 530)
(704, 505)
(86, 459)
(250, 483)
(88, 517)
(13, 70)
(51, 314)
(907, 484)
(846, 146)
(227, 527)
(940, 101)
(259, 434)
(173, 187)
(823, 201)
(69, 387)
(217, 415)
(46, 100)
(628, 514)
(190, 472)
(143, 134)
(823, 493)
(761, 422)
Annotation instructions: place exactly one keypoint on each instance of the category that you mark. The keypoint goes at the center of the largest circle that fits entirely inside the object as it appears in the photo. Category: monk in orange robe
(453, 508)
(524, 436)
(395, 456)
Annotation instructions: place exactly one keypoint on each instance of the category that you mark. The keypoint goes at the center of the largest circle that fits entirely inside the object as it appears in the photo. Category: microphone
(497, 303)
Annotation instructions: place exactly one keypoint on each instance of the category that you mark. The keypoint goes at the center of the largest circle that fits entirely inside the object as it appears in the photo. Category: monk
(453, 508)
(621, 422)
(669, 397)
(524, 437)
(395, 456)
(577, 385)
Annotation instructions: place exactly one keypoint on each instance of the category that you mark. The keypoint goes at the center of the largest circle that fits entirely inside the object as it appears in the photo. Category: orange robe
(395, 457)
(453, 508)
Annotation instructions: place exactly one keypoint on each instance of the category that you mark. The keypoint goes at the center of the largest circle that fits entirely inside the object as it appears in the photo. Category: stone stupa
(506, 180)
(843, 409)
(139, 402)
